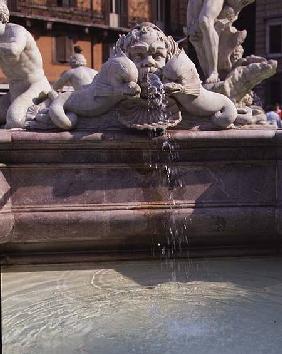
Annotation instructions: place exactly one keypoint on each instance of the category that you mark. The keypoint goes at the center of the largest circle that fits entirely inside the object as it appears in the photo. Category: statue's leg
(210, 11)
(193, 12)
(16, 115)
(5, 102)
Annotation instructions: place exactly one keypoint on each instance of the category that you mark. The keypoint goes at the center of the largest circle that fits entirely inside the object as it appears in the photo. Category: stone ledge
(120, 137)
(107, 191)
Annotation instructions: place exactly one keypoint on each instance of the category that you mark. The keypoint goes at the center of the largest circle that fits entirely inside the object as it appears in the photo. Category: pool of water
(227, 305)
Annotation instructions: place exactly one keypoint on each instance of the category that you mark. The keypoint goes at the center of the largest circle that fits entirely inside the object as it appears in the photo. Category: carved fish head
(181, 70)
(118, 74)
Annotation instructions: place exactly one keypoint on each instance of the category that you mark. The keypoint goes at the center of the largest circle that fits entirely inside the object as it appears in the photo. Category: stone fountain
(145, 155)
(145, 161)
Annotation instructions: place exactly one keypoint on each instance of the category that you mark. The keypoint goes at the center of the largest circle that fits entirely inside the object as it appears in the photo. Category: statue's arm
(63, 80)
(15, 43)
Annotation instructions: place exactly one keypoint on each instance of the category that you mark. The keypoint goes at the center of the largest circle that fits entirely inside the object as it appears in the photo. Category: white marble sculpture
(210, 30)
(195, 99)
(116, 80)
(78, 76)
(249, 113)
(201, 16)
(154, 52)
(245, 74)
(210, 22)
(124, 77)
(21, 62)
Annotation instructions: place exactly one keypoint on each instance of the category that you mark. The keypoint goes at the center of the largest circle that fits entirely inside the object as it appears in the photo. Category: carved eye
(179, 79)
(158, 57)
(137, 57)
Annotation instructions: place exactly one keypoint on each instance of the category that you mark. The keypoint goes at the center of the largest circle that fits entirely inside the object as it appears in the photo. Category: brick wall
(53, 69)
(97, 5)
(139, 10)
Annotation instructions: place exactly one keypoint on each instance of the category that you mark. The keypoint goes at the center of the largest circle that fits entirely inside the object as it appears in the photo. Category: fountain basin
(107, 191)
(227, 305)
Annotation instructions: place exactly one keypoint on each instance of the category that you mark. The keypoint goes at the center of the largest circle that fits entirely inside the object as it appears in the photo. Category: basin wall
(109, 191)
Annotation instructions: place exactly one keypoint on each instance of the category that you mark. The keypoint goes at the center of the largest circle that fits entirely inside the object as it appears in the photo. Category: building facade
(269, 44)
(94, 25)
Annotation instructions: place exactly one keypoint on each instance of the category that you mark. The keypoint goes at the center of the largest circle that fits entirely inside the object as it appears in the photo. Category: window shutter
(69, 48)
(63, 48)
(60, 49)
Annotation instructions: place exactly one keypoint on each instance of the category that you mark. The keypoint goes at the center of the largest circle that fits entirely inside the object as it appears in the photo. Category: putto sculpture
(21, 62)
(78, 75)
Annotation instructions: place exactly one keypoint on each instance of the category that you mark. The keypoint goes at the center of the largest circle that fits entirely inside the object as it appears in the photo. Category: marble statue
(201, 16)
(79, 75)
(229, 37)
(210, 22)
(201, 102)
(154, 52)
(21, 62)
(116, 80)
(210, 30)
(245, 74)
(143, 58)
(147, 83)
(249, 113)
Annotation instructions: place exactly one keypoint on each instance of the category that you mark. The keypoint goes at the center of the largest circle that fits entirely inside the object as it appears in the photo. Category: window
(116, 6)
(159, 12)
(63, 49)
(274, 37)
(66, 3)
(275, 92)
(118, 13)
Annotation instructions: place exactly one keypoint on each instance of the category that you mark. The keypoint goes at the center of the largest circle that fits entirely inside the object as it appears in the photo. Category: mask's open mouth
(143, 79)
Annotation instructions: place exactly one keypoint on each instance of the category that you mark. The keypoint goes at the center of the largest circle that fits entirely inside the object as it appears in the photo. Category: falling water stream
(169, 173)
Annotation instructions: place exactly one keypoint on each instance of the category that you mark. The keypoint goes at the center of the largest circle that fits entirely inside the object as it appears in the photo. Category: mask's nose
(149, 61)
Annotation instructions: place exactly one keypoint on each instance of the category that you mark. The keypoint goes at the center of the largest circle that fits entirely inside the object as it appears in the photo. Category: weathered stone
(219, 49)
(21, 62)
(110, 190)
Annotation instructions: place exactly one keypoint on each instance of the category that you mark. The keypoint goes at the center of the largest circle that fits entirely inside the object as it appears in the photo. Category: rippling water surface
(173, 307)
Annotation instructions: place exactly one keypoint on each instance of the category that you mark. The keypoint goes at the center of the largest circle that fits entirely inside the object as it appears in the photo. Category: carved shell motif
(135, 113)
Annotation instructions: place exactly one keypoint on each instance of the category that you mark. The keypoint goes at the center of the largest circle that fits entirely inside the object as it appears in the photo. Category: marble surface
(228, 305)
